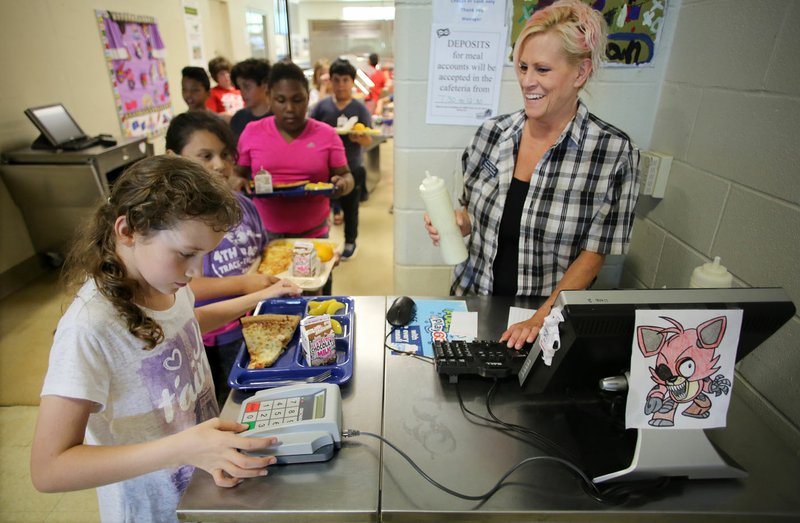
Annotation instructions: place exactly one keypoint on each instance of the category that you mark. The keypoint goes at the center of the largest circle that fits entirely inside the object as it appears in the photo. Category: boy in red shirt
(225, 98)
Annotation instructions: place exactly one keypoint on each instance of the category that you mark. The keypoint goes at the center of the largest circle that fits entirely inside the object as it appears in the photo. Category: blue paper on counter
(431, 323)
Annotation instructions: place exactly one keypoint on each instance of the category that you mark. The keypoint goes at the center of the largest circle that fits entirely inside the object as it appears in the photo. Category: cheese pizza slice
(266, 337)
(289, 185)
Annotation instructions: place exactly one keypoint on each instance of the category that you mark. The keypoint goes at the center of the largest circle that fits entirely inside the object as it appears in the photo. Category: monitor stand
(686, 453)
(42, 143)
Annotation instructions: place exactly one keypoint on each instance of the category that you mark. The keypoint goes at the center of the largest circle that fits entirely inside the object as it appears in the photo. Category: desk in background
(56, 190)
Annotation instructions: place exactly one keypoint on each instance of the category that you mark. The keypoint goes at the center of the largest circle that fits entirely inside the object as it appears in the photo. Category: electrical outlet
(654, 168)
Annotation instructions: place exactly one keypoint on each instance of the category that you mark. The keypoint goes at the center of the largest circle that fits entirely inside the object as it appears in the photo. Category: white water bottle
(440, 209)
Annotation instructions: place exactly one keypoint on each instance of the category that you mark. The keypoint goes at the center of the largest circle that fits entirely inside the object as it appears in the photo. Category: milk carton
(318, 340)
(305, 261)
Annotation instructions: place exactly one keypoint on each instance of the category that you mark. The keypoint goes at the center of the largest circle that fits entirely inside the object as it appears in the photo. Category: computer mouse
(106, 140)
(401, 312)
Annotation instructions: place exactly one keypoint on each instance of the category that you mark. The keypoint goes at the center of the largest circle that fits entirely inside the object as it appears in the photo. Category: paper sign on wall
(682, 365)
(194, 33)
(489, 13)
(465, 69)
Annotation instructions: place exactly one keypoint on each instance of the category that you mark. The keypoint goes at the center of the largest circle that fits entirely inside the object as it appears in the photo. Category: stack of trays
(292, 364)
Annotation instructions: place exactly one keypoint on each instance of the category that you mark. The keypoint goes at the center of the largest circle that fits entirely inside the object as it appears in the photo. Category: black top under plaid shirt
(581, 197)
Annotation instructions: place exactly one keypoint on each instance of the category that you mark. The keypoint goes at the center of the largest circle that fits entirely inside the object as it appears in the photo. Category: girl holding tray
(293, 148)
(207, 140)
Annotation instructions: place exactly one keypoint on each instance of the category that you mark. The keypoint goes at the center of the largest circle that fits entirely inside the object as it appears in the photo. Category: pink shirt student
(310, 156)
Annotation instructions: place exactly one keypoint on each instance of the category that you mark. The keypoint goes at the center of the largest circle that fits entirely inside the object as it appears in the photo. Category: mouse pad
(431, 323)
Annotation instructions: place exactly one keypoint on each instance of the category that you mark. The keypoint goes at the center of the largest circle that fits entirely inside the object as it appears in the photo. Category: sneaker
(349, 251)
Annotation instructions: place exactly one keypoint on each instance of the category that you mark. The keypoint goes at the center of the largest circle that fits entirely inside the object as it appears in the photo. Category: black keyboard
(81, 143)
(490, 359)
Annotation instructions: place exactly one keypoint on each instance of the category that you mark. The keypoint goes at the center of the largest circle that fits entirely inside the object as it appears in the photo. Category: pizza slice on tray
(276, 258)
(290, 185)
(266, 336)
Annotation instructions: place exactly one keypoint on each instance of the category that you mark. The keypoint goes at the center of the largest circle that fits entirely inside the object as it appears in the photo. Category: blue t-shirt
(243, 117)
(326, 111)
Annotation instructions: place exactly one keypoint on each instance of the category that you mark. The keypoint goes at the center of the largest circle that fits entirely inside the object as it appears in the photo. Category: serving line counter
(422, 417)
(343, 489)
(403, 399)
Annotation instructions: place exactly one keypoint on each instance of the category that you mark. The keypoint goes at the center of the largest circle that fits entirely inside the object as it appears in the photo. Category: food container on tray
(307, 283)
(292, 364)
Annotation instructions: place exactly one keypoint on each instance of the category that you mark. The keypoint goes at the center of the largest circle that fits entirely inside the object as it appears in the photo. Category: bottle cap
(431, 183)
(711, 275)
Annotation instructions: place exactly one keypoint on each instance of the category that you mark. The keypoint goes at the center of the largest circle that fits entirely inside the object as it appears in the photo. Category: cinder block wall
(729, 113)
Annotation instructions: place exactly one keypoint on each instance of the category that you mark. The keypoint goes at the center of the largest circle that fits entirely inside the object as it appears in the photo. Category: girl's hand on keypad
(214, 447)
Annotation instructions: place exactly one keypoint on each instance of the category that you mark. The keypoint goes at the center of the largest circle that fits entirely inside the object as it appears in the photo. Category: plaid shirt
(581, 197)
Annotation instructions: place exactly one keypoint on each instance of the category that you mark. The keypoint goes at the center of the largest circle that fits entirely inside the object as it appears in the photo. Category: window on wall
(257, 34)
(282, 30)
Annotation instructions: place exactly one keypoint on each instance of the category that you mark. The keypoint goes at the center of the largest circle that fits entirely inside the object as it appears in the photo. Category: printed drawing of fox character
(685, 362)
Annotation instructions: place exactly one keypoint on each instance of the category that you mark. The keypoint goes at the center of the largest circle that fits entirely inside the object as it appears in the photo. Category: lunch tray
(293, 192)
(291, 365)
(307, 283)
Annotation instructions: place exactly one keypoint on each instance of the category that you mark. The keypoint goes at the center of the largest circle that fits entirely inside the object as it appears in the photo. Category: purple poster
(134, 54)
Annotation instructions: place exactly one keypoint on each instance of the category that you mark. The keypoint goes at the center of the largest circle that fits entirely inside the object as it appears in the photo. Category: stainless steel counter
(422, 417)
(405, 400)
(342, 489)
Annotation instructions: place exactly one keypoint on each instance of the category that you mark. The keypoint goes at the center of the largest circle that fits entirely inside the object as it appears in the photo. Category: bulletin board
(134, 55)
(634, 27)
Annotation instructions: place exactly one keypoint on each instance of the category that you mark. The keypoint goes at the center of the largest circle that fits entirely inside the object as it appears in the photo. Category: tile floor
(29, 316)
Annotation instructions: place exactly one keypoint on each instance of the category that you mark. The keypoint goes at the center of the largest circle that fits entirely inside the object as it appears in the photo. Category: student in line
(128, 403)
(195, 87)
(320, 82)
(225, 98)
(329, 110)
(207, 140)
(251, 76)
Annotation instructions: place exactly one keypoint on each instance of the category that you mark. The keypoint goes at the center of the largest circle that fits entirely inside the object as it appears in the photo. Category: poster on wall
(134, 55)
(194, 33)
(634, 27)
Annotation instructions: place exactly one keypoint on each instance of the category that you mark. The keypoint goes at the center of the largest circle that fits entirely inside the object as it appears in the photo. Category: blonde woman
(549, 190)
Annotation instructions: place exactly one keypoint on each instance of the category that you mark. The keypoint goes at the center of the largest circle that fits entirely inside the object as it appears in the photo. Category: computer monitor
(598, 330)
(55, 123)
(596, 342)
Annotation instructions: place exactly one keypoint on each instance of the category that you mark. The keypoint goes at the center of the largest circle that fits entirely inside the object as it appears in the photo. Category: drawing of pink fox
(685, 362)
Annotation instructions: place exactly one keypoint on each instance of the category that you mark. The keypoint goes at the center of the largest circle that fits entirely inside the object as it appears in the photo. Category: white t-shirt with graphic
(141, 395)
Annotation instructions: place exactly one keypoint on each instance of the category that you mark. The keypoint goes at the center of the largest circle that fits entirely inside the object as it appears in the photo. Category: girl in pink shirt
(293, 148)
